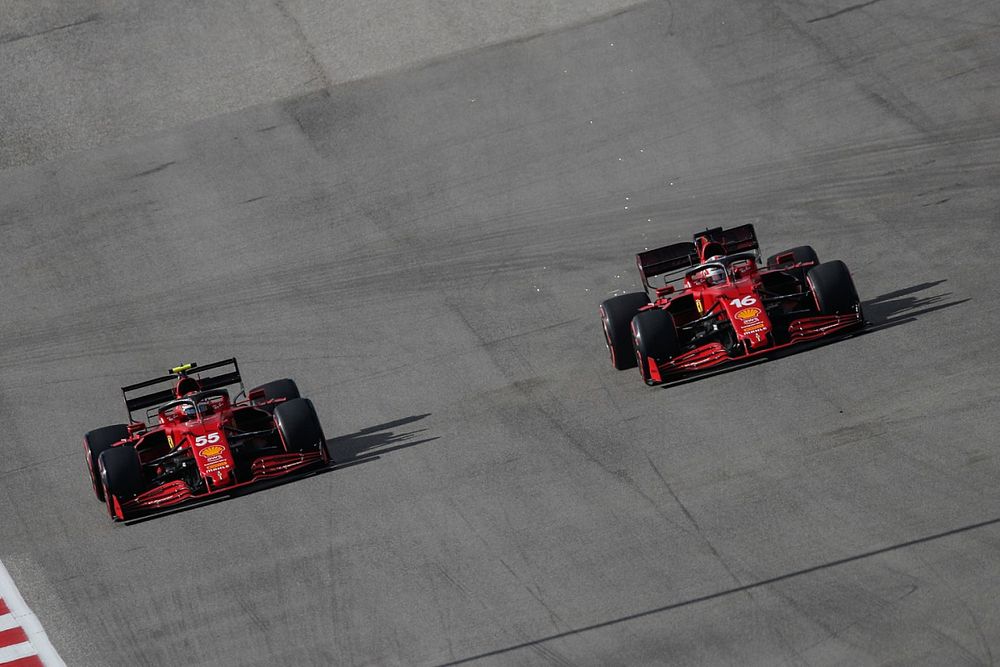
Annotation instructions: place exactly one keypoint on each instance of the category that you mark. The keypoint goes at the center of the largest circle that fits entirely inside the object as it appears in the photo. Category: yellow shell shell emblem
(748, 313)
(212, 450)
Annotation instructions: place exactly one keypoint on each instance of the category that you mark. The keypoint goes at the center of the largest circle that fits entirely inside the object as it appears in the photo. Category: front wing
(713, 354)
(177, 491)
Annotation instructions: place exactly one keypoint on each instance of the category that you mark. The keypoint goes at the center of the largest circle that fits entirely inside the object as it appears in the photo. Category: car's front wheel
(95, 442)
(654, 337)
(616, 315)
(299, 427)
(833, 289)
(121, 477)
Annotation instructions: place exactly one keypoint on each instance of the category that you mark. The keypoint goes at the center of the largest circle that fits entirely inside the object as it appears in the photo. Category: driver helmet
(187, 412)
(714, 275)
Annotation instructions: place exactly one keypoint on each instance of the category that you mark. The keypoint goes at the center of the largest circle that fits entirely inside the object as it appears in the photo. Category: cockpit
(195, 406)
(721, 270)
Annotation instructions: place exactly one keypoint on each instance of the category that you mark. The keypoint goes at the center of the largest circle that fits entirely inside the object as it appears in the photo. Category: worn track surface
(424, 251)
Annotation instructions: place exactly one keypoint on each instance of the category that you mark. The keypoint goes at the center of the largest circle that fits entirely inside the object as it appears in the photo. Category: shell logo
(748, 313)
(212, 450)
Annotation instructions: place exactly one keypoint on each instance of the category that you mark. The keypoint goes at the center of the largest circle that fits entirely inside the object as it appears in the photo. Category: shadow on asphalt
(347, 451)
(883, 312)
(902, 307)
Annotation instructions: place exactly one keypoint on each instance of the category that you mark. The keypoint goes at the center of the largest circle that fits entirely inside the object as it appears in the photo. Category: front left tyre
(833, 289)
(299, 427)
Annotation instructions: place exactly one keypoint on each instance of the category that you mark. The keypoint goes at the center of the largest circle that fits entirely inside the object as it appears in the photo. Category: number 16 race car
(197, 442)
(718, 305)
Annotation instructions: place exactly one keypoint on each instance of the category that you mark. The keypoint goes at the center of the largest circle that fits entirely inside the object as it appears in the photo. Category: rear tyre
(654, 336)
(833, 288)
(121, 477)
(616, 316)
(284, 389)
(95, 442)
(299, 427)
(796, 255)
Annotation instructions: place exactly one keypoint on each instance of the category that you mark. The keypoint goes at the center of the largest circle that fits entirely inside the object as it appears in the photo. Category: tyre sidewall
(833, 288)
(616, 318)
(298, 426)
(97, 441)
(654, 335)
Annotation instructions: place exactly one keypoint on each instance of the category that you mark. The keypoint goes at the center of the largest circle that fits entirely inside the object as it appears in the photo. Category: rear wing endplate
(668, 259)
(733, 240)
(206, 381)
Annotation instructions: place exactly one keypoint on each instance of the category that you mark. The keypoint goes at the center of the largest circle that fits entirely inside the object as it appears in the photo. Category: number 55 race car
(718, 305)
(197, 442)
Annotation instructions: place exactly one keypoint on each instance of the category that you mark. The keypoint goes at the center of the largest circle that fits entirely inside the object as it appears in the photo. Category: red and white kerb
(22, 640)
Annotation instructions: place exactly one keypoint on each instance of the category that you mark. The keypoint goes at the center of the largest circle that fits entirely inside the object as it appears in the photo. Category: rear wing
(680, 256)
(732, 240)
(206, 381)
(668, 259)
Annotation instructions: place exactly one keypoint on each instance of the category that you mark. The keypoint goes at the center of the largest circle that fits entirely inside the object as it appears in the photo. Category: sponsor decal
(212, 467)
(212, 451)
(701, 308)
(754, 328)
(748, 314)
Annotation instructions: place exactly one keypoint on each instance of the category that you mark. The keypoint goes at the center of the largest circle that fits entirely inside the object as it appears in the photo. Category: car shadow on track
(902, 307)
(368, 444)
(882, 312)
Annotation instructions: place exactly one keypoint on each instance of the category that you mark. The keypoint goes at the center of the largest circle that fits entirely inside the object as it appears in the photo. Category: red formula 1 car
(718, 305)
(197, 442)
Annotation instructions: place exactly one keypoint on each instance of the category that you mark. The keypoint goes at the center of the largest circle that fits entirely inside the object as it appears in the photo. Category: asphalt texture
(424, 252)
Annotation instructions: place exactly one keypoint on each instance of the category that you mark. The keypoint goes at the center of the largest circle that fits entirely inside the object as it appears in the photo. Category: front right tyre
(654, 337)
(121, 478)
(616, 316)
(97, 441)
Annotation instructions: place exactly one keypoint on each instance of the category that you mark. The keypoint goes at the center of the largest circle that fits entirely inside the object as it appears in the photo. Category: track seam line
(723, 593)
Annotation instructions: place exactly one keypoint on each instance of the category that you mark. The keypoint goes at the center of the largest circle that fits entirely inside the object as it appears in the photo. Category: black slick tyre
(95, 442)
(299, 426)
(121, 477)
(796, 255)
(654, 336)
(284, 388)
(833, 288)
(616, 317)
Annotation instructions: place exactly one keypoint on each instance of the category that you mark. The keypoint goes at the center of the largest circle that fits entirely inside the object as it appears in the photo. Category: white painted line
(15, 651)
(40, 643)
(7, 621)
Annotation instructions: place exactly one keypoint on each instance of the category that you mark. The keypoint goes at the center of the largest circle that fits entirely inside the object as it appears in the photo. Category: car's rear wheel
(95, 442)
(121, 477)
(616, 316)
(833, 288)
(654, 337)
(796, 255)
(299, 427)
(277, 389)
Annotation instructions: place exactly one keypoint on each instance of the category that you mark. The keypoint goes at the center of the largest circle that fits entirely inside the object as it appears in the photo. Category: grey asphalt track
(424, 252)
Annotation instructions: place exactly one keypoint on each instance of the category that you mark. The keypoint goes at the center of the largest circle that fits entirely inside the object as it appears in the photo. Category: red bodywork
(739, 298)
(188, 450)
